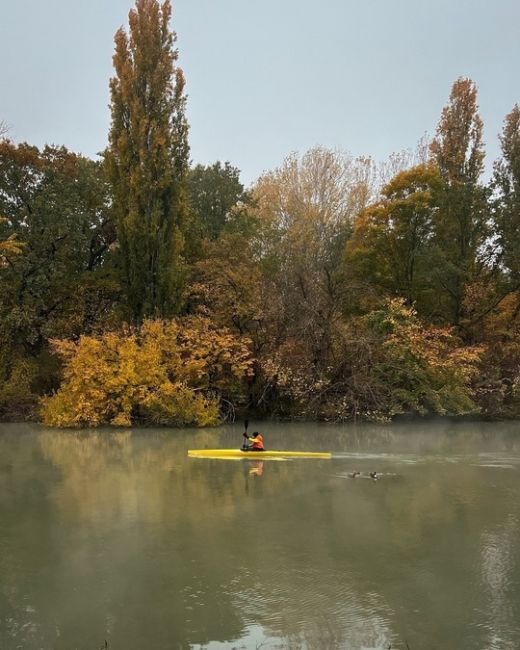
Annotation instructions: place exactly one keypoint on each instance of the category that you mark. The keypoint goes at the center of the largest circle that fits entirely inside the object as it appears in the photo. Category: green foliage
(55, 204)
(507, 204)
(426, 369)
(214, 190)
(461, 225)
(17, 395)
(383, 364)
(391, 247)
(165, 372)
(147, 160)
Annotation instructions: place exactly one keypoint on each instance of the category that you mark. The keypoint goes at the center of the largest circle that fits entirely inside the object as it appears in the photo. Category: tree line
(139, 288)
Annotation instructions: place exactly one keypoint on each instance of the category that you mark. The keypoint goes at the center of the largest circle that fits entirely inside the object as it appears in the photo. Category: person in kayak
(254, 442)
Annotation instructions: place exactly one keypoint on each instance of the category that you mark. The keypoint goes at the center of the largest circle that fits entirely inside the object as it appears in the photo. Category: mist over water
(118, 535)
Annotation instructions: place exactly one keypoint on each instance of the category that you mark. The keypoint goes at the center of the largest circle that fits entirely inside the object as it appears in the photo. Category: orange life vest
(258, 442)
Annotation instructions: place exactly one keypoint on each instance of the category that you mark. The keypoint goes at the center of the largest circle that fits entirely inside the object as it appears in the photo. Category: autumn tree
(383, 363)
(424, 369)
(56, 204)
(213, 191)
(163, 372)
(460, 227)
(392, 239)
(283, 284)
(507, 184)
(498, 322)
(305, 210)
(147, 159)
(403, 160)
(228, 285)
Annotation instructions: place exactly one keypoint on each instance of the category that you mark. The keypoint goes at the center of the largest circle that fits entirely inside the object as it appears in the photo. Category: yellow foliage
(10, 246)
(165, 372)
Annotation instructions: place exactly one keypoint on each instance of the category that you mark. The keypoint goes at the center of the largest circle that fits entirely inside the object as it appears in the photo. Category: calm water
(120, 536)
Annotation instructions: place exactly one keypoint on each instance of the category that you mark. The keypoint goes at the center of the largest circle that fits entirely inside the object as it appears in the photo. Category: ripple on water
(337, 613)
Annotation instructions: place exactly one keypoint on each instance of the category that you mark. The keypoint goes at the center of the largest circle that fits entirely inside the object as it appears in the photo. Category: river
(118, 536)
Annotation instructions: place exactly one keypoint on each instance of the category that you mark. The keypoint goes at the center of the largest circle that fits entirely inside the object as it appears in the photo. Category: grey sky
(267, 77)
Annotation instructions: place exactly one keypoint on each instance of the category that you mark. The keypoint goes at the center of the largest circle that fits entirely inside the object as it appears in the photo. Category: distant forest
(140, 289)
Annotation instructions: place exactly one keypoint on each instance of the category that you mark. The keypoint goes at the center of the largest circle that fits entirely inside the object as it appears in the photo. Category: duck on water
(373, 475)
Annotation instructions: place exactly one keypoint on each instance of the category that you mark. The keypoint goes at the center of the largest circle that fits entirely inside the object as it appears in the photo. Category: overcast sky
(267, 77)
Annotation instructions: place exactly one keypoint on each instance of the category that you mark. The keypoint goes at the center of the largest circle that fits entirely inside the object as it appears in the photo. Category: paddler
(254, 442)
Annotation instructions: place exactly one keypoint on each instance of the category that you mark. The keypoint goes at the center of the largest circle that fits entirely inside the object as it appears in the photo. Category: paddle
(246, 424)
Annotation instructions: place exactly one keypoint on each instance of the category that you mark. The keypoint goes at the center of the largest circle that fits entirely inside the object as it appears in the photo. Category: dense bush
(172, 372)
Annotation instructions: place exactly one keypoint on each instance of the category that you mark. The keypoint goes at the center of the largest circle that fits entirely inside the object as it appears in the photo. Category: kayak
(255, 455)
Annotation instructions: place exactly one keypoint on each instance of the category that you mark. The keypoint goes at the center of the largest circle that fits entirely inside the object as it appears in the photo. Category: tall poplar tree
(507, 211)
(461, 223)
(147, 159)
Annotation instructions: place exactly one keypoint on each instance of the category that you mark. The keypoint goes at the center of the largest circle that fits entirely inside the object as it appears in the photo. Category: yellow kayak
(255, 455)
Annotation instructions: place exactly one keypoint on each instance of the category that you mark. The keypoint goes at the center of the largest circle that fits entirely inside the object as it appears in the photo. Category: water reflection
(121, 536)
(257, 468)
(499, 553)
